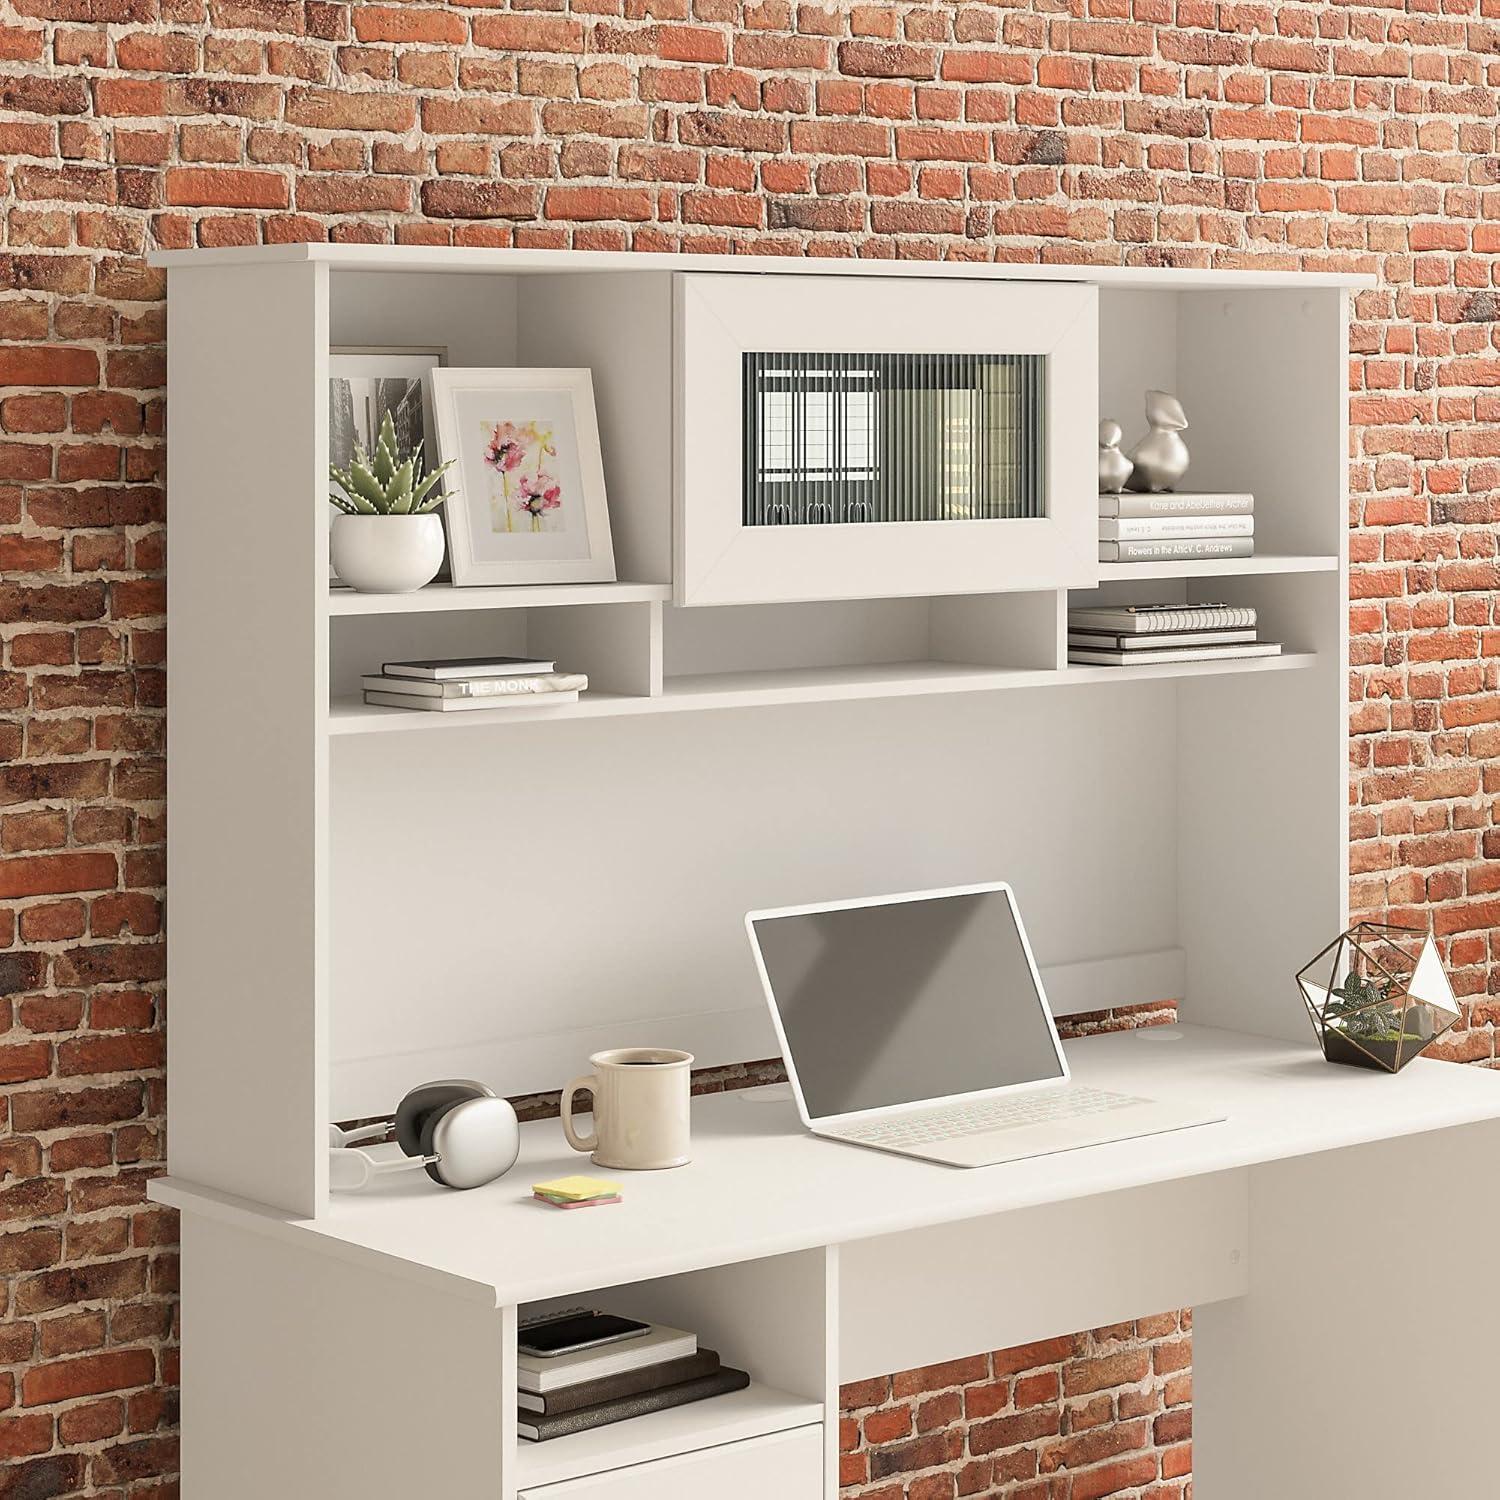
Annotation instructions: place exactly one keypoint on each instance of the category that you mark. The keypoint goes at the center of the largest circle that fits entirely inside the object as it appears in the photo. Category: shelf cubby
(444, 598)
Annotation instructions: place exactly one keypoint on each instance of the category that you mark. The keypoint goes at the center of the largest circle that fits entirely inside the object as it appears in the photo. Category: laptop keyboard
(983, 1116)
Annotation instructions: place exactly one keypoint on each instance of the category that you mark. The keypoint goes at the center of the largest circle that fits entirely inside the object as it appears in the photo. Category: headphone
(460, 1131)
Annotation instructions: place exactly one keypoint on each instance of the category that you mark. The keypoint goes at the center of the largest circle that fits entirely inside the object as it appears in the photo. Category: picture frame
(363, 382)
(528, 502)
(366, 380)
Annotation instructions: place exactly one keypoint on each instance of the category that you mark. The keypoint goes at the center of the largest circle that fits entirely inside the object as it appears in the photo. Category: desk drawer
(786, 1465)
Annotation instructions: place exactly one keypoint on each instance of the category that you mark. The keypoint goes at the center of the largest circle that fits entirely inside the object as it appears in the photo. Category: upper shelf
(438, 598)
(1218, 567)
(767, 689)
(354, 257)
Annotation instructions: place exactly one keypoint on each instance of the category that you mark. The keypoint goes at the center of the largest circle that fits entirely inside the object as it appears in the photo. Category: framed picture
(364, 384)
(527, 502)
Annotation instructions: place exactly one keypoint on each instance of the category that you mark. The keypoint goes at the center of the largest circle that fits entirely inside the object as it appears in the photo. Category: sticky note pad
(576, 1189)
(576, 1202)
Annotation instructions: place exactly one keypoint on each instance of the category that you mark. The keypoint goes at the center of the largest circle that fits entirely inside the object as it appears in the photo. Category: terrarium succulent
(389, 483)
(1364, 1010)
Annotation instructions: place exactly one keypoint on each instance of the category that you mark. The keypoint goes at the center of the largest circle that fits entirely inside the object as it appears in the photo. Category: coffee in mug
(641, 1108)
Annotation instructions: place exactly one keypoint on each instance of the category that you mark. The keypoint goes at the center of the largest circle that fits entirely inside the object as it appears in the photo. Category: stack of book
(1128, 635)
(454, 683)
(1175, 528)
(660, 1368)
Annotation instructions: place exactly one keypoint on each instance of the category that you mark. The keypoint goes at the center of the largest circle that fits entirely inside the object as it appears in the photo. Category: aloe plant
(390, 483)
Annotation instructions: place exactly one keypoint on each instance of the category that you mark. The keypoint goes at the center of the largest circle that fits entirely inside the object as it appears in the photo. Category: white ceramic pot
(387, 554)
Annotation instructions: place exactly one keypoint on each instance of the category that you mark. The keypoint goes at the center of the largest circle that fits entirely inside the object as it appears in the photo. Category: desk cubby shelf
(501, 905)
(757, 1411)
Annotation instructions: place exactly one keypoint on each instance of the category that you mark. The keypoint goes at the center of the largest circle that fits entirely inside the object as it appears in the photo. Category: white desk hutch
(365, 898)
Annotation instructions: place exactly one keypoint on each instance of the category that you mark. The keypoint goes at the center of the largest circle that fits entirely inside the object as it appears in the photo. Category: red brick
(47, 874)
(65, 1379)
(23, 365)
(226, 187)
(408, 23)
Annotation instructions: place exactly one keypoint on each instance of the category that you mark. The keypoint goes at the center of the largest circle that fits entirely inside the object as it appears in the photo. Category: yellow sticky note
(576, 1188)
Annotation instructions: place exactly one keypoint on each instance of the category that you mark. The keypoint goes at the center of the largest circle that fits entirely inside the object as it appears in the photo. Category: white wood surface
(719, 560)
(620, 326)
(1361, 1343)
(594, 877)
(996, 1283)
(1220, 567)
(408, 258)
(473, 321)
(618, 646)
(770, 1462)
(444, 597)
(247, 704)
(760, 1185)
(395, 1393)
(804, 685)
(782, 1342)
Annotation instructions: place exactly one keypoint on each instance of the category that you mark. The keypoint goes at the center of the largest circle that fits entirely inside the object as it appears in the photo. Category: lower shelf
(800, 685)
(752, 1412)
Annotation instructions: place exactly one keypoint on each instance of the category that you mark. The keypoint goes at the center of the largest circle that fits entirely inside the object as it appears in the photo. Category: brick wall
(1146, 131)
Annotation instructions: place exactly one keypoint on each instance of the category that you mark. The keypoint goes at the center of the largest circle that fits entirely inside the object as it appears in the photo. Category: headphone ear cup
(418, 1108)
(476, 1141)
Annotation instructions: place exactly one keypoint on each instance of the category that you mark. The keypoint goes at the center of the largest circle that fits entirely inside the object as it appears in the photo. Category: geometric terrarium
(1377, 996)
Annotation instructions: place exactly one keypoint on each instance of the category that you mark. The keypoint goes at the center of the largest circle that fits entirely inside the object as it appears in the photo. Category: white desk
(1286, 1227)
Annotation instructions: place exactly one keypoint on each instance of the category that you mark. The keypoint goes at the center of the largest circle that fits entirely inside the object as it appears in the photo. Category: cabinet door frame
(720, 318)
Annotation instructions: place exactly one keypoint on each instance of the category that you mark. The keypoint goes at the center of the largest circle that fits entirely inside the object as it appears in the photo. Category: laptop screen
(906, 1001)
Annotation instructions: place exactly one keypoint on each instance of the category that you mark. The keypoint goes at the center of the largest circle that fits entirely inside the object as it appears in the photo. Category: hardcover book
(1106, 658)
(657, 1345)
(1108, 641)
(441, 668)
(478, 687)
(1199, 504)
(618, 1387)
(538, 1428)
(1181, 550)
(456, 705)
(1162, 528)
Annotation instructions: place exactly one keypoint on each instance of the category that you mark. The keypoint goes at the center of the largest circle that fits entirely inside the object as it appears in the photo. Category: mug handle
(579, 1142)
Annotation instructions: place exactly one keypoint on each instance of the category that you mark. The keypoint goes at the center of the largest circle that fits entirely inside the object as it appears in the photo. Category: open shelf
(753, 1412)
(1218, 567)
(800, 685)
(442, 597)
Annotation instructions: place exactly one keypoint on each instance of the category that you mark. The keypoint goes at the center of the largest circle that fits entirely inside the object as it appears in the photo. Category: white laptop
(917, 1024)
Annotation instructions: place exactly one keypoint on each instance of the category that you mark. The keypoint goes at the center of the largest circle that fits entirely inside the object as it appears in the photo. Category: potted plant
(388, 538)
(1367, 1023)
(1377, 996)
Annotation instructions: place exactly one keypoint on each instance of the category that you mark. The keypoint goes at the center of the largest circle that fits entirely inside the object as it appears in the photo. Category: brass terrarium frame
(1386, 997)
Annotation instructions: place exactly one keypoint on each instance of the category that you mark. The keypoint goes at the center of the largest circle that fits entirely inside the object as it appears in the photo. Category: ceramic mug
(640, 1108)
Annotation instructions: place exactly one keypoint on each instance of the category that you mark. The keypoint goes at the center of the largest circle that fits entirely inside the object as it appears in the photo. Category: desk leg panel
(1341, 1372)
(306, 1377)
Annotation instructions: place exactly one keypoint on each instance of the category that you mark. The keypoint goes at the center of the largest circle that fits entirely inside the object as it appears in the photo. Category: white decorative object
(531, 505)
(1114, 467)
(1161, 457)
(387, 554)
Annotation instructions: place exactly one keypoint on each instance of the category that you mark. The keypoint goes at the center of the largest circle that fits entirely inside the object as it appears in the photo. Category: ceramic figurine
(1161, 457)
(1114, 467)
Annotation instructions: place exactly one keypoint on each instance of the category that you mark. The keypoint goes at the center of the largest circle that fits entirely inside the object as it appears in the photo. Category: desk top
(760, 1185)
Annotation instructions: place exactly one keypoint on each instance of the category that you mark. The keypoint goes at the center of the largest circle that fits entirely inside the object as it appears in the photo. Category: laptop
(917, 1024)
